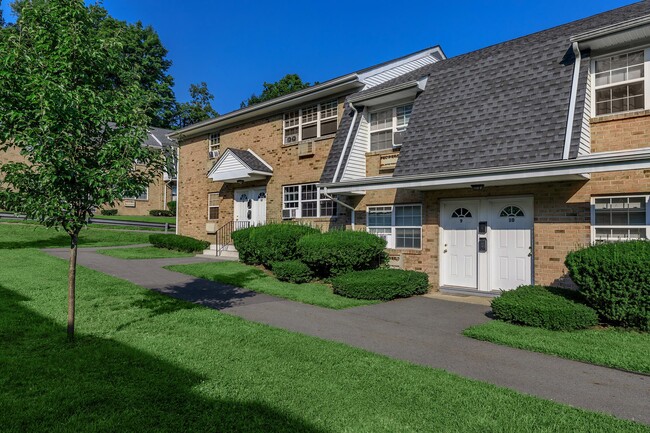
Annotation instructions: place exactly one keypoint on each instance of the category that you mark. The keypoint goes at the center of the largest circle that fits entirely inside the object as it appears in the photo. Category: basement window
(620, 218)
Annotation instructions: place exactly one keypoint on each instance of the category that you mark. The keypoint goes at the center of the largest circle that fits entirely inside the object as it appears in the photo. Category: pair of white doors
(486, 244)
(250, 205)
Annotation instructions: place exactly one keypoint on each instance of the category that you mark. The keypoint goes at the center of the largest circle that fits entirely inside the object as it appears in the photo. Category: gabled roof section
(239, 165)
(503, 105)
(157, 137)
(346, 84)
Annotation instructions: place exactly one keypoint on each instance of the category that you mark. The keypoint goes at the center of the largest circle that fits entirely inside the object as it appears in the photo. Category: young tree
(74, 106)
(288, 84)
(198, 109)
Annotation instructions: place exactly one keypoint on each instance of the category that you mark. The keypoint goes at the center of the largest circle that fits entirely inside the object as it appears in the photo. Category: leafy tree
(2, 20)
(198, 109)
(288, 84)
(72, 103)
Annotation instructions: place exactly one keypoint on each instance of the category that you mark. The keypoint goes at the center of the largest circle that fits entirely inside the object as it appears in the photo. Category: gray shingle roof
(503, 105)
(158, 138)
(251, 160)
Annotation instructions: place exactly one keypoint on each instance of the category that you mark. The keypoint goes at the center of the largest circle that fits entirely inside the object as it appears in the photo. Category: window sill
(311, 140)
(383, 151)
(412, 251)
(619, 116)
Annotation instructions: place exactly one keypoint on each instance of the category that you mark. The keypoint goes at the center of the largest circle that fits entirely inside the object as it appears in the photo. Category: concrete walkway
(421, 330)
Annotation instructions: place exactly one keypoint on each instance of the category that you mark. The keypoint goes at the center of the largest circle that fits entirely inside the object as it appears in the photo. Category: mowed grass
(146, 362)
(139, 253)
(252, 278)
(611, 347)
(37, 236)
(138, 218)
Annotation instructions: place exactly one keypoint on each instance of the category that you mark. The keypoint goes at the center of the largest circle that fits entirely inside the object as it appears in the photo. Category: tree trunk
(72, 277)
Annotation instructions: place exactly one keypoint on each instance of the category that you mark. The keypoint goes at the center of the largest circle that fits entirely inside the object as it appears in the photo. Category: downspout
(572, 101)
(334, 199)
(347, 141)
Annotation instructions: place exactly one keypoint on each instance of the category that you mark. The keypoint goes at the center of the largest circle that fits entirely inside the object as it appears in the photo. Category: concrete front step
(227, 252)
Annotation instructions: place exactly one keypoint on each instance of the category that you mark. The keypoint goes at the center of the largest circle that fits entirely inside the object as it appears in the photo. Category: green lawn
(252, 278)
(143, 253)
(627, 350)
(146, 362)
(36, 236)
(145, 218)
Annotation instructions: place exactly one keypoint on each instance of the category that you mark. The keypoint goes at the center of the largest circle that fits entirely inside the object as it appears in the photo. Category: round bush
(178, 243)
(293, 271)
(382, 284)
(108, 212)
(615, 280)
(338, 252)
(270, 243)
(544, 307)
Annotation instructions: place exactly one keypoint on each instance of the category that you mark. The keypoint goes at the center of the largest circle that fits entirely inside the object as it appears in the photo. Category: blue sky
(234, 46)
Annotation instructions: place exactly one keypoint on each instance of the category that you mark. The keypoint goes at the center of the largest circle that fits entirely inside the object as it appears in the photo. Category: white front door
(459, 253)
(486, 244)
(511, 222)
(250, 205)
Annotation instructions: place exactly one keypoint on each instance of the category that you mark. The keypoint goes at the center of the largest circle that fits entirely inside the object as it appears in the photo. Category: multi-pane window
(400, 225)
(620, 218)
(306, 201)
(213, 145)
(619, 83)
(142, 197)
(213, 206)
(310, 122)
(386, 126)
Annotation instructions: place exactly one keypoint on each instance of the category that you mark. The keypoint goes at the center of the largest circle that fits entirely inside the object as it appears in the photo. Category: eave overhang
(334, 87)
(407, 90)
(625, 34)
(578, 169)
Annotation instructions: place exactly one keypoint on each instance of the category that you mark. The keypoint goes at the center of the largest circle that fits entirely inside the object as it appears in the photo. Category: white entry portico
(486, 243)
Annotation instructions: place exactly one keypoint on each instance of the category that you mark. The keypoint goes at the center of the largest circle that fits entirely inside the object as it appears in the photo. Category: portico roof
(238, 165)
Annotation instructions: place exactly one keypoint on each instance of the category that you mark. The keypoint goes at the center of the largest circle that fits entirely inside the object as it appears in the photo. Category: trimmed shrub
(544, 307)
(178, 243)
(161, 213)
(615, 280)
(270, 243)
(171, 205)
(338, 252)
(108, 212)
(382, 284)
(293, 271)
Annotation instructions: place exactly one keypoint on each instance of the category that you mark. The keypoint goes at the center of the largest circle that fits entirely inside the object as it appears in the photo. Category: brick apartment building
(483, 170)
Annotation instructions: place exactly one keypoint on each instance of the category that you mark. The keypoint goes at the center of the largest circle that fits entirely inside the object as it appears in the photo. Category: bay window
(310, 122)
(619, 83)
(399, 225)
(620, 218)
(387, 126)
(306, 201)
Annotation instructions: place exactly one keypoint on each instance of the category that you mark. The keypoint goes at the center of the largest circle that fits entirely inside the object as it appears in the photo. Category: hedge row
(108, 212)
(544, 307)
(161, 213)
(381, 284)
(615, 280)
(178, 243)
(269, 243)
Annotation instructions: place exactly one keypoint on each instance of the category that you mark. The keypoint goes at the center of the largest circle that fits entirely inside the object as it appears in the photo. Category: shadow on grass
(59, 240)
(99, 384)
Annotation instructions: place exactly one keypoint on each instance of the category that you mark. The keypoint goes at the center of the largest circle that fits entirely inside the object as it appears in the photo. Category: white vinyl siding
(389, 74)
(620, 218)
(310, 122)
(385, 123)
(619, 82)
(307, 201)
(400, 225)
(355, 166)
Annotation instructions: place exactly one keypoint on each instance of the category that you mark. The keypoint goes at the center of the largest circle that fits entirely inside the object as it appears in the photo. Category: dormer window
(619, 83)
(311, 122)
(387, 126)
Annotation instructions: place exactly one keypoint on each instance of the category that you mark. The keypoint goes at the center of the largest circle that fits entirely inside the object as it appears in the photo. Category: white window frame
(214, 144)
(393, 128)
(645, 80)
(594, 226)
(319, 199)
(212, 195)
(320, 118)
(139, 198)
(391, 240)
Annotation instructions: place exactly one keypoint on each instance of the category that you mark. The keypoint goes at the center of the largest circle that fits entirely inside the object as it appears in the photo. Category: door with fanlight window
(459, 267)
(250, 205)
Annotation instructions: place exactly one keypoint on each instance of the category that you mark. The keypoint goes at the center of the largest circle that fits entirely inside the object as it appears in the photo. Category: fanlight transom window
(461, 212)
(511, 211)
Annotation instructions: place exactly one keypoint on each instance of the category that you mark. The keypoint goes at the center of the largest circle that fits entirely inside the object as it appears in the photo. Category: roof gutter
(572, 101)
(578, 167)
(347, 141)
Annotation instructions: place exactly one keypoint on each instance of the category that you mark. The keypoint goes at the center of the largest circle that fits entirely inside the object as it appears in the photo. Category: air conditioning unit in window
(398, 137)
(290, 139)
(289, 213)
(214, 154)
(306, 148)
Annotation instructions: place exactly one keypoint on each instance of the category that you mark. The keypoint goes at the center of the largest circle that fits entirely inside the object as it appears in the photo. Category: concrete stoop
(229, 252)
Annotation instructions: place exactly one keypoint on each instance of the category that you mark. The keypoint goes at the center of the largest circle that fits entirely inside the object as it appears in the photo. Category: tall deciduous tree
(72, 103)
(2, 20)
(198, 109)
(288, 84)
